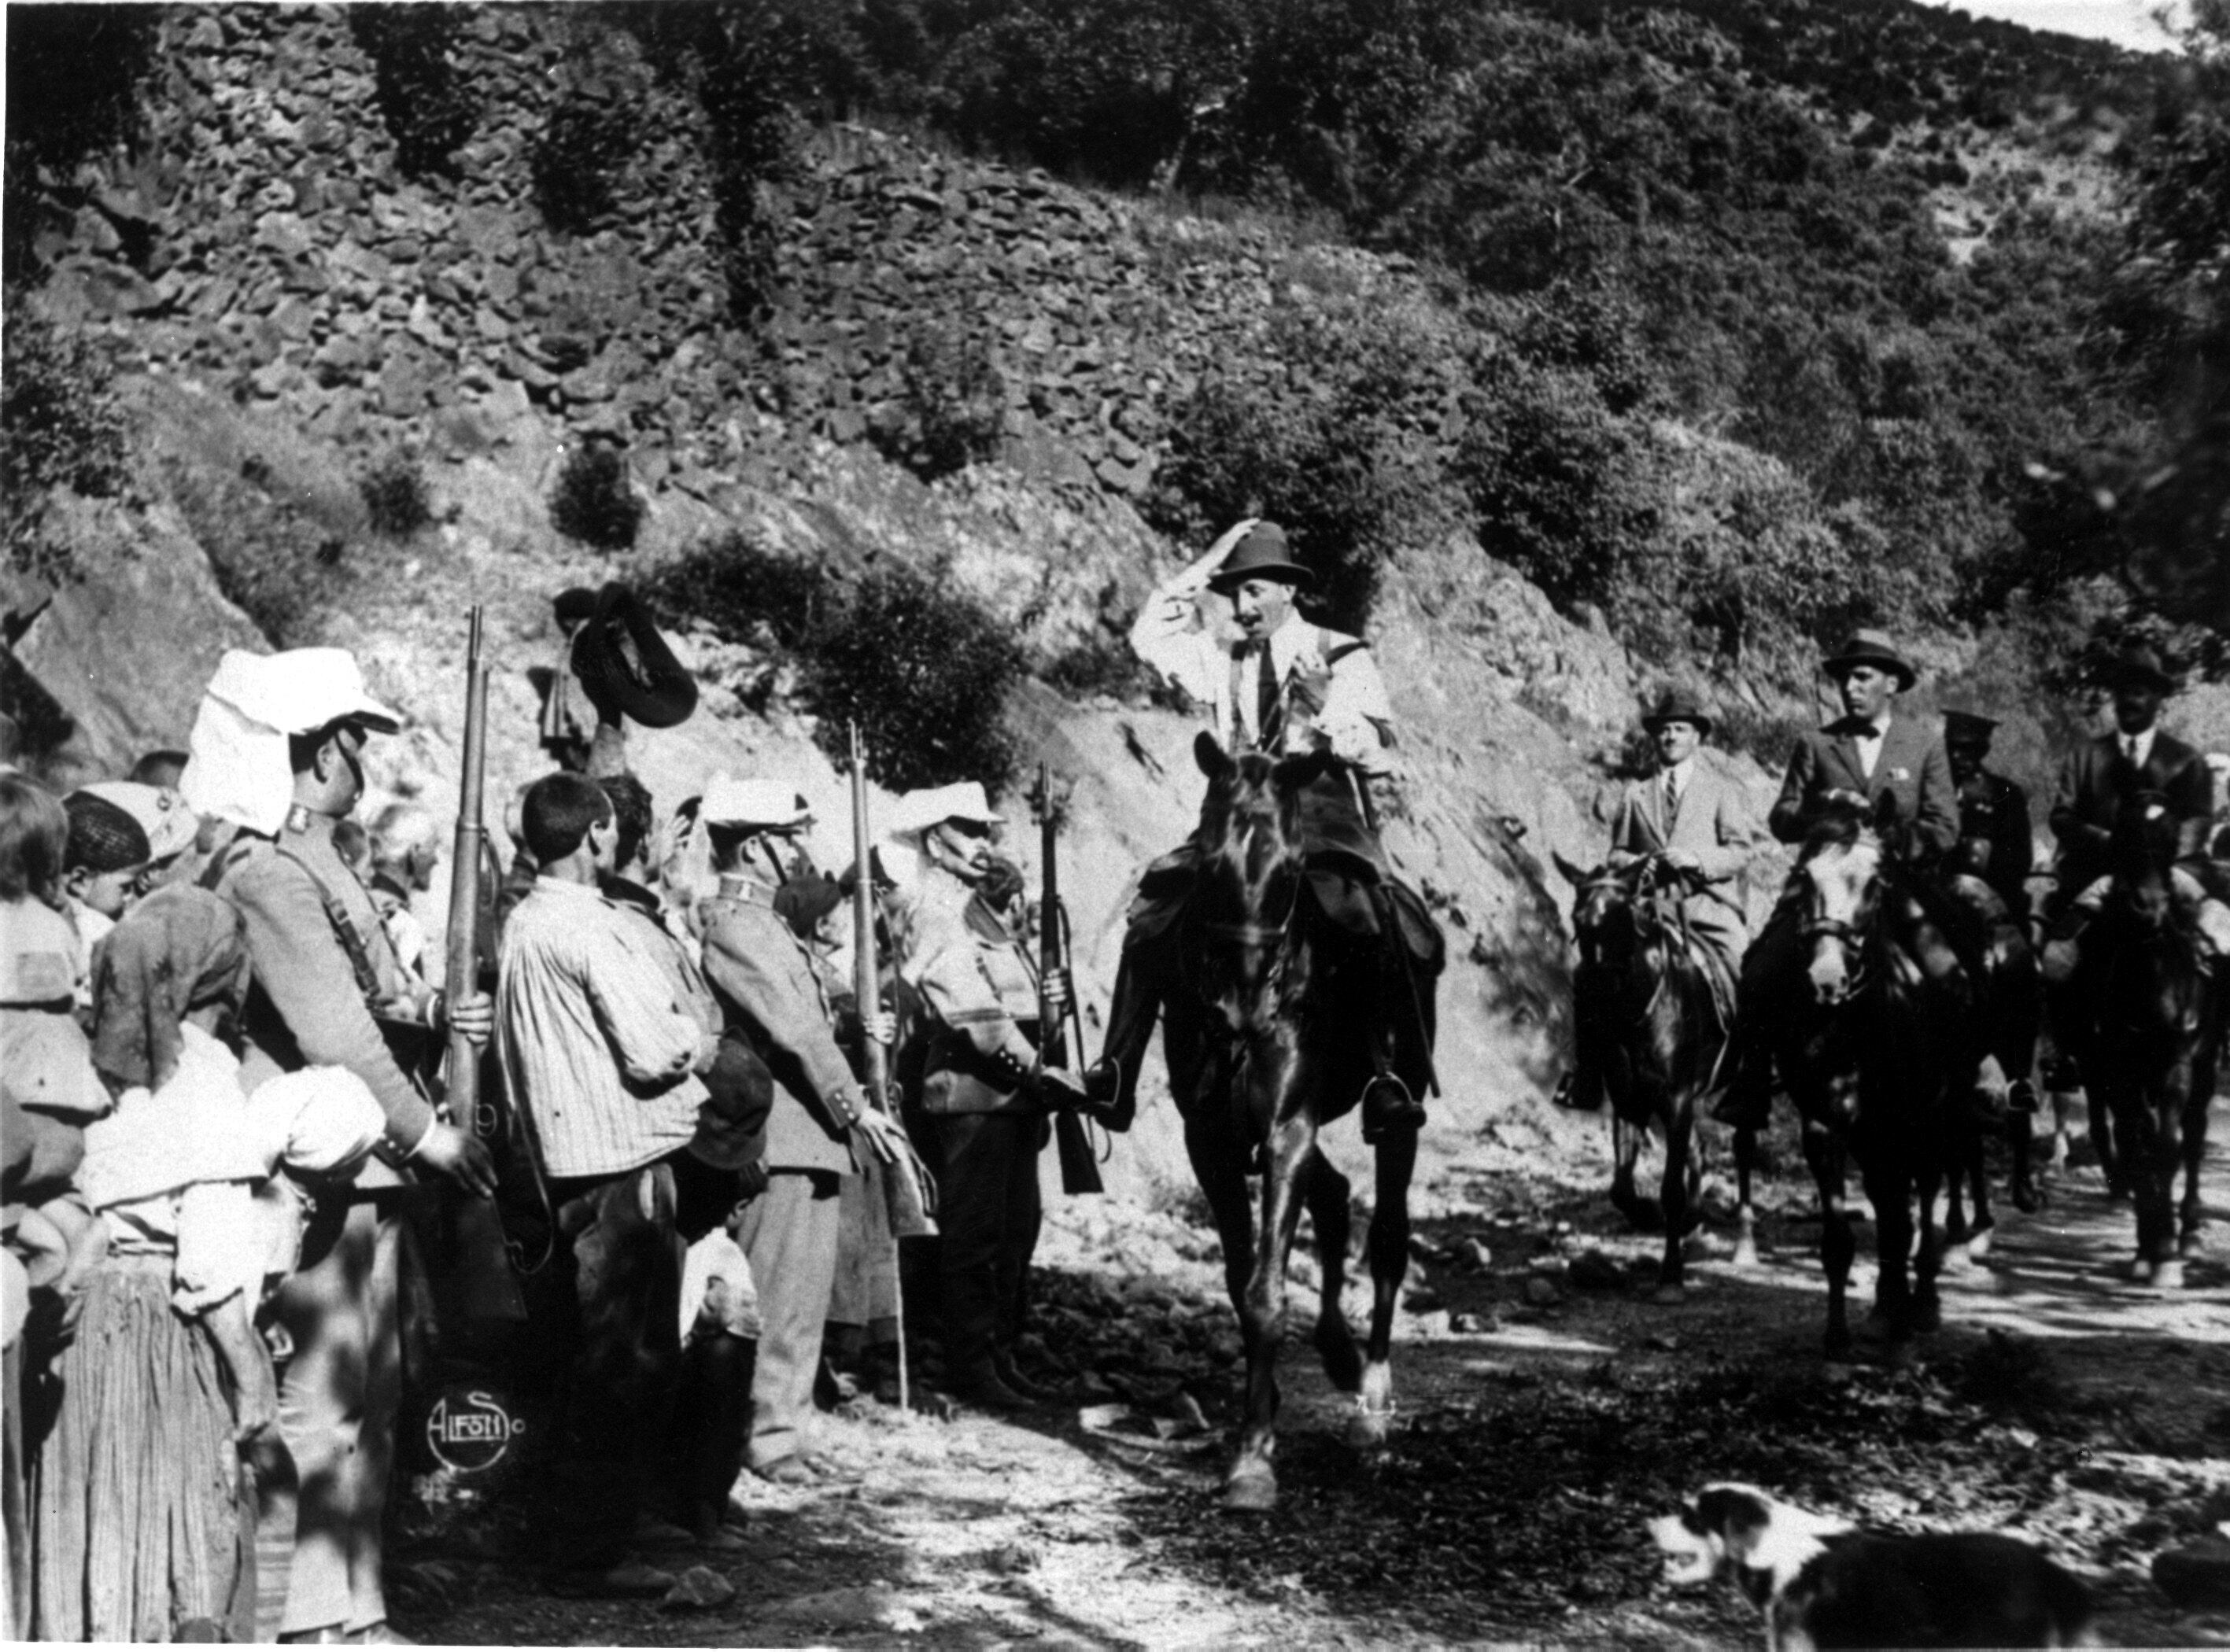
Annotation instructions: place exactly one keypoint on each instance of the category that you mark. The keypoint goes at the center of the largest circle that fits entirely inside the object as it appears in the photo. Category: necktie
(1672, 798)
(2130, 747)
(1266, 701)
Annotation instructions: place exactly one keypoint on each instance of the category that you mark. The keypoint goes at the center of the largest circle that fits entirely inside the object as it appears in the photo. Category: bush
(60, 426)
(925, 672)
(951, 408)
(429, 108)
(394, 496)
(594, 502)
(575, 158)
(270, 559)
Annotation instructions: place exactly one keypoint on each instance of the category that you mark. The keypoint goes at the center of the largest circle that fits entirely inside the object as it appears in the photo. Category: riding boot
(1747, 1104)
(1398, 1041)
(1111, 1083)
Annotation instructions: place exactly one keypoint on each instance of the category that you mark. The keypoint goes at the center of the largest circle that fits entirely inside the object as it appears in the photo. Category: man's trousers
(789, 1233)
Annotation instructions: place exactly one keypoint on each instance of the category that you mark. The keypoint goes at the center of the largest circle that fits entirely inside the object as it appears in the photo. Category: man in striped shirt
(605, 1058)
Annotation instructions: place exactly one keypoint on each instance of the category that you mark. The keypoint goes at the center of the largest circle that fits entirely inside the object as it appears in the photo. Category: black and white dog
(1823, 1583)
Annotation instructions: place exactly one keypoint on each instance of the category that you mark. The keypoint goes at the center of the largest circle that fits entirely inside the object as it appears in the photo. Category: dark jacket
(1996, 842)
(2093, 784)
(1912, 767)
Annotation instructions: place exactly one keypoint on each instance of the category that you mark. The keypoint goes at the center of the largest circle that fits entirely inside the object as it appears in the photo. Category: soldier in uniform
(819, 1119)
(1995, 840)
(275, 749)
(1282, 685)
(985, 1093)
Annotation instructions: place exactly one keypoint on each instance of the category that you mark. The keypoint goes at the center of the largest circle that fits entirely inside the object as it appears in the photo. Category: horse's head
(1251, 865)
(2147, 835)
(1605, 913)
(1841, 864)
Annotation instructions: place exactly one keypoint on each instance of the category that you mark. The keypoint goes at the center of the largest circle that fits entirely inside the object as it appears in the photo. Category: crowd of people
(227, 1038)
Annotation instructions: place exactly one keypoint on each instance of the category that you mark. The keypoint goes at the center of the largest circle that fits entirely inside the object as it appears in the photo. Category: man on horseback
(1866, 755)
(2103, 774)
(1995, 842)
(1698, 822)
(1285, 686)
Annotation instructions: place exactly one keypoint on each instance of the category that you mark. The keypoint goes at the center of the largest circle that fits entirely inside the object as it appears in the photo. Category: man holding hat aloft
(1866, 756)
(986, 1092)
(1700, 822)
(276, 750)
(820, 1118)
(612, 655)
(2100, 775)
(1283, 685)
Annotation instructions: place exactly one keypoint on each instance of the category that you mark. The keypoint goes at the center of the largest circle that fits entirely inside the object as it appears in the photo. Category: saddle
(1350, 892)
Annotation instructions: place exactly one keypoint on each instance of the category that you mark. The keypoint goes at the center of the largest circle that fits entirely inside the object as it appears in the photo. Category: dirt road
(2057, 1402)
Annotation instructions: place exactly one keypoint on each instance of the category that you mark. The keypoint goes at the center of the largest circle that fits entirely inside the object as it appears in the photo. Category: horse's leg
(1219, 1162)
(1626, 1141)
(1973, 1162)
(1955, 1208)
(1325, 1191)
(2156, 1178)
(2105, 1135)
(1745, 1214)
(1837, 1246)
(2190, 1225)
(1678, 1191)
(1389, 1262)
(1927, 1259)
(1253, 1484)
(1889, 1190)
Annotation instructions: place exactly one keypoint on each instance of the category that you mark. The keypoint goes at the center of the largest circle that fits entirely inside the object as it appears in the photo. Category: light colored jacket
(980, 987)
(1714, 823)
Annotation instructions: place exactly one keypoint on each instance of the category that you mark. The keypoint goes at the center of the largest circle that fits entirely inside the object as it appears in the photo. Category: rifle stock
(1079, 1166)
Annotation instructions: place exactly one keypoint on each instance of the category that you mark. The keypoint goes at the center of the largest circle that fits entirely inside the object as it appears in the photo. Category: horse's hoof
(1878, 1329)
(1669, 1294)
(1927, 1316)
(1978, 1245)
(1957, 1256)
(1367, 1429)
(2169, 1275)
(2139, 1271)
(1252, 1489)
(2193, 1243)
(1745, 1252)
(1343, 1365)
(2028, 1198)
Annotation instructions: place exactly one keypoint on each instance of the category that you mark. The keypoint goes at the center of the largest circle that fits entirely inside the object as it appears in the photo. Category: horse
(2009, 1000)
(1871, 1052)
(1642, 992)
(1269, 1038)
(2146, 1031)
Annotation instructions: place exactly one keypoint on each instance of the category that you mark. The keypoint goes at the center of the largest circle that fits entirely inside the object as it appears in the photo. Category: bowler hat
(2139, 664)
(1678, 705)
(1865, 648)
(1263, 553)
(626, 667)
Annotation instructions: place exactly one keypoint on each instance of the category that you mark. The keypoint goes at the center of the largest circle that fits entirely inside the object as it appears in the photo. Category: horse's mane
(1838, 826)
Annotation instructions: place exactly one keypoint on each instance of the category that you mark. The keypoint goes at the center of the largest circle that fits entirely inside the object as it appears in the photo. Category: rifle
(1080, 1165)
(867, 990)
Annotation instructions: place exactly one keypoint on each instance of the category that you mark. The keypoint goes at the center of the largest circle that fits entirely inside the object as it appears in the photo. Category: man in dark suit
(1867, 754)
(2099, 777)
(1995, 844)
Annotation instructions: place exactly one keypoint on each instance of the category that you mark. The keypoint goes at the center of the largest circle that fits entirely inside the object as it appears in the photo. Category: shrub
(394, 496)
(575, 158)
(952, 406)
(60, 426)
(429, 108)
(924, 672)
(280, 568)
(593, 502)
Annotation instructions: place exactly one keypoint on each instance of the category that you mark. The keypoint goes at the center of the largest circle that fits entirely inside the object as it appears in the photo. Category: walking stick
(867, 987)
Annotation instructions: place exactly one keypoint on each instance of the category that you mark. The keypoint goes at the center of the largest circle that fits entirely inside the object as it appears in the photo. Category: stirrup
(1390, 1108)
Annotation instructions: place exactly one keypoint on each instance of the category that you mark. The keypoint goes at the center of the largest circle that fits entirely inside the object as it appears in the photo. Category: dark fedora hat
(1971, 725)
(573, 605)
(626, 668)
(1867, 647)
(1677, 705)
(1263, 553)
(2139, 664)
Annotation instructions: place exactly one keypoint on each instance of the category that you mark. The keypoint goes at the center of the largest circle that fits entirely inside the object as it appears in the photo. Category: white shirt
(1170, 635)
(2137, 747)
(1869, 744)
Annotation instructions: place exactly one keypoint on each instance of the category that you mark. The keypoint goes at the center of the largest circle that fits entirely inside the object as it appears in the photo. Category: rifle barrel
(465, 861)
(867, 979)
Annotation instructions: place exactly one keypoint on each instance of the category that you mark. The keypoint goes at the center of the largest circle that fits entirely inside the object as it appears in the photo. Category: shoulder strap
(1335, 647)
(345, 929)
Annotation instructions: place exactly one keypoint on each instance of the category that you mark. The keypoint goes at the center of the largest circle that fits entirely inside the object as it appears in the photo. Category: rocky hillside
(927, 363)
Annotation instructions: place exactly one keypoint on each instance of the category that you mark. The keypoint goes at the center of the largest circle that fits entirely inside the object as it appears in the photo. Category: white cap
(919, 810)
(161, 813)
(237, 768)
(752, 803)
(300, 691)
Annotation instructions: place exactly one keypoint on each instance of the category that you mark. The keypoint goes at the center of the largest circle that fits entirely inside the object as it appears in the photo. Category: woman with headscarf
(141, 1525)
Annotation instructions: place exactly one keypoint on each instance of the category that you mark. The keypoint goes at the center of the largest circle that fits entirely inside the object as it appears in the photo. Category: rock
(2196, 1577)
(1593, 1270)
(1470, 1324)
(1473, 1253)
(1541, 1291)
(699, 1588)
(1423, 1300)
